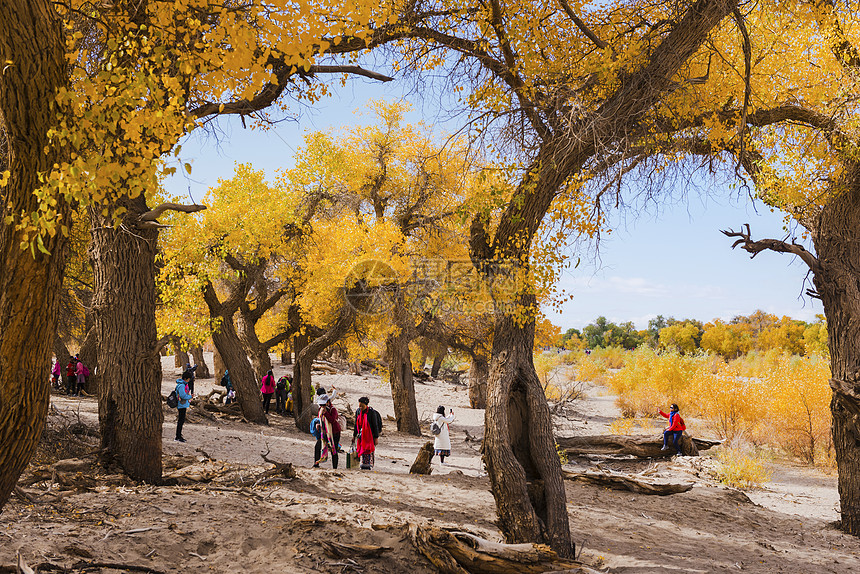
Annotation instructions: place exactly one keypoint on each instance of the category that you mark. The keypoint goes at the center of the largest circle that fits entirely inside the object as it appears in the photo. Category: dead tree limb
(465, 553)
(640, 446)
(755, 247)
(629, 482)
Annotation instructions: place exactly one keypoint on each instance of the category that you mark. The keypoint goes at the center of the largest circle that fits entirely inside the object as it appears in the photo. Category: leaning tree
(571, 89)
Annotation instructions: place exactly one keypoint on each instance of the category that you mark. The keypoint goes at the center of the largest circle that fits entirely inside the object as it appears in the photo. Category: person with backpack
(267, 389)
(184, 396)
(365, 435)
(675, 429)
(281, 389)
(439, 428)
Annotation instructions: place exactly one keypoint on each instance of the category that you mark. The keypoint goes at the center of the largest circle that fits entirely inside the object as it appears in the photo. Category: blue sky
(675, 263)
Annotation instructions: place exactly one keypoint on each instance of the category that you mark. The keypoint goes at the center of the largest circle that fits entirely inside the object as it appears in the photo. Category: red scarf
(364, 445)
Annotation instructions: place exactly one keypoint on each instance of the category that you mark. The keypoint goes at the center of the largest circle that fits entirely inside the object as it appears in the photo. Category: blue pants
(676, 438)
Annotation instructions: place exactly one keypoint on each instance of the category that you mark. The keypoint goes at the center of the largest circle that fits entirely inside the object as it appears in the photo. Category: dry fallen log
(342, 550)
(629, 482)
(465, 553)
(641, 446)
(422, 461)
(324, 368)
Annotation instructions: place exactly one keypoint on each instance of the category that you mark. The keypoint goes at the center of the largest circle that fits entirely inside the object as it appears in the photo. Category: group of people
(326, 427)
(75, 376)
(281, 390)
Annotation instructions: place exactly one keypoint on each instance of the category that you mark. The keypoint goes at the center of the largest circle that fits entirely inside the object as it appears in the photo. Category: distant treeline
(759, 331)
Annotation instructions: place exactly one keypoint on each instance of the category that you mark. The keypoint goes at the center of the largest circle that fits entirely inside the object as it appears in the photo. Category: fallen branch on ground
(465, 553)
(641, 446)
(629, 482)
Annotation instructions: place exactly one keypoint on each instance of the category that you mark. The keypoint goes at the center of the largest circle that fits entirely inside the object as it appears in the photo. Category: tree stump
(422, 461)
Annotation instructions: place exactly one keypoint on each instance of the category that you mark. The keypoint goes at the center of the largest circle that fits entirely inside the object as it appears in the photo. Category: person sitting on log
(675, 429)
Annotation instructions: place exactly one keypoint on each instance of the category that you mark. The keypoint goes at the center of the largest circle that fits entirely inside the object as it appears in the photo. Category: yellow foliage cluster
(776, 399)
(141, 76)
(742, 466)
(763, 332)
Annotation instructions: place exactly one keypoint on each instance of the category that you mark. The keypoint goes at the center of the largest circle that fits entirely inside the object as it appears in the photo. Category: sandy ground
(785, 527)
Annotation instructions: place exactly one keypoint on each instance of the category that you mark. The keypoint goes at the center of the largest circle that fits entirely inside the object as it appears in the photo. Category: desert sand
(787, 526)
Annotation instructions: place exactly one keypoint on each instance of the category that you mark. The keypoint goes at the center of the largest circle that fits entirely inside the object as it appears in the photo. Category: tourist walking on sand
(81, 372)
(442, 442)
(330, 429)
(368, 425)
(675, 429)
(268, 390)
(184, 396)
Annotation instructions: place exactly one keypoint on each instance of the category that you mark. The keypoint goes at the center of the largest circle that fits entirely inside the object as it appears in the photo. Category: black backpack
(282, 383)
(172, 399)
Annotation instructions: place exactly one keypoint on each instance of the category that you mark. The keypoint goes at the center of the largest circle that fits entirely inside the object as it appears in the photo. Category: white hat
(322, 399)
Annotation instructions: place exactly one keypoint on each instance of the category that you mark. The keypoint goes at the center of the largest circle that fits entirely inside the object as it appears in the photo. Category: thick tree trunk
(287, 354)
(219, 366)
(259, 355)
(837, 280)
(479, 371)
(402, 384)
(90, 356)
(180, 357)
(305, 411)
(519, 444)
(61, 352)
(31, 35)
(130, 414)
(241, 374)
(202, 371)
(400, 373)
(302, 389)
(437, 364)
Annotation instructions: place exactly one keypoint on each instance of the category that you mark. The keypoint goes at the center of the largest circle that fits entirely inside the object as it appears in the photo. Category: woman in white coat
(442, 444)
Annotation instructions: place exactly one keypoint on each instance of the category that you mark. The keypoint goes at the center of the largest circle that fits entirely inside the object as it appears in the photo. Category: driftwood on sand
(464, 553)
(633, 483)
(640, 446)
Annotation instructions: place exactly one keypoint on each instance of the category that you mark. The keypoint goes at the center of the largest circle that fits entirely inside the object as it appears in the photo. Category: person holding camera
(442, 442)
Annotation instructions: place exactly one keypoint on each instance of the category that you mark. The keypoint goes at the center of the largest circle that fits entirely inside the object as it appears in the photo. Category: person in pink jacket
(268, 390)
(675, 429)
(81, 375)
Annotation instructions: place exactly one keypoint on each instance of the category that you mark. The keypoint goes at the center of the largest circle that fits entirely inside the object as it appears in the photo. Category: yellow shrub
(611, 357)
(650, 381)
(742, 467)
(589, 369)
(798, 412)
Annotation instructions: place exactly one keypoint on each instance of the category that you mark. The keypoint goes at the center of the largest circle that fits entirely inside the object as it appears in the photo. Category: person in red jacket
(675, 429)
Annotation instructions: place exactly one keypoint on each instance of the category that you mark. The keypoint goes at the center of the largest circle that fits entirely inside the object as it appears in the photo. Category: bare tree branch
(582, 26)
(156, 212)
(756, 247)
